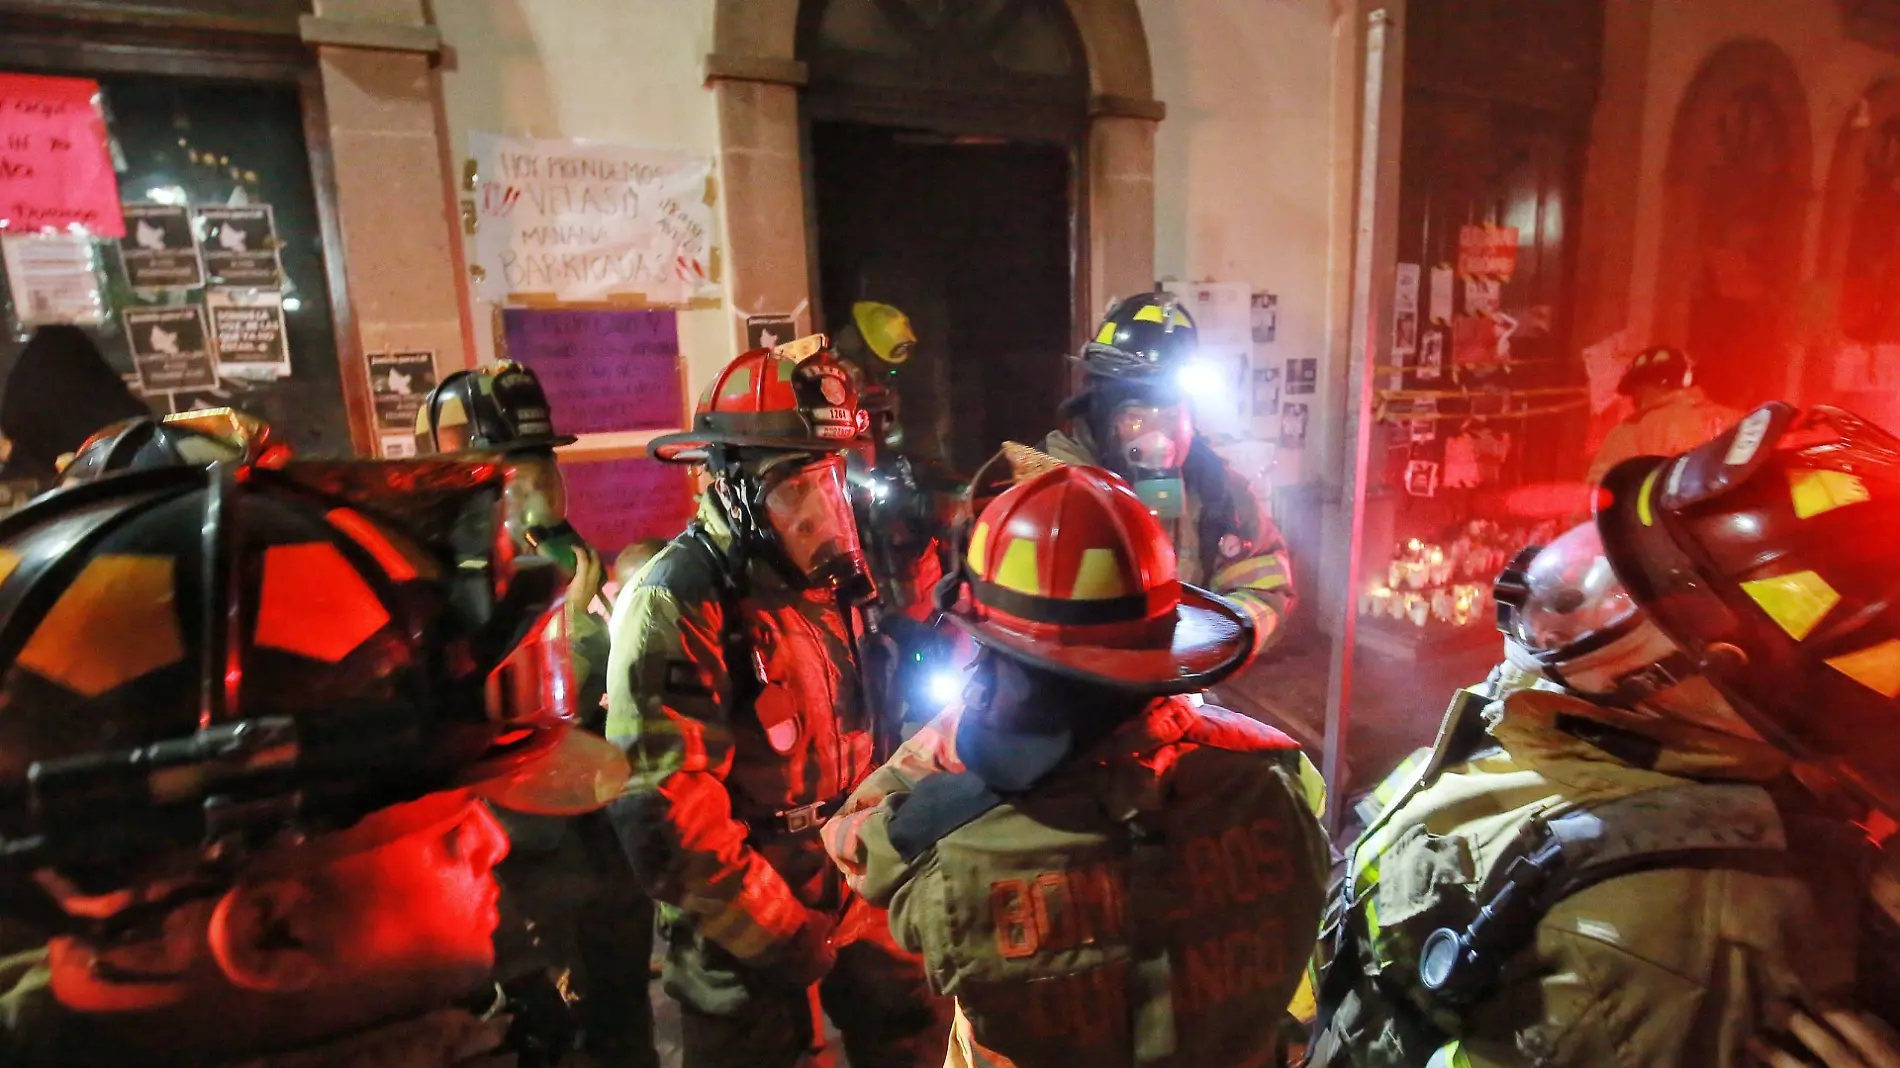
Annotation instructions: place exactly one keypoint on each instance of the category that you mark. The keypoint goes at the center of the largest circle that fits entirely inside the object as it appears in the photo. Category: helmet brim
(689, 447)
(1211, 639)
(577, 773)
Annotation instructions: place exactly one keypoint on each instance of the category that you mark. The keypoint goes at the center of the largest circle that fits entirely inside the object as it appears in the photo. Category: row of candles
(1460, 605)
(1448, 582)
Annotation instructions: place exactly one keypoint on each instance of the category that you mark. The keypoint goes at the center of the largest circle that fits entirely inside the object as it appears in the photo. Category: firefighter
(904, 506)
(1133, 417)
(733, 688)
(1100, 871)
(580, 906)
(246, 723)
(1669, 413)
(1620, 855)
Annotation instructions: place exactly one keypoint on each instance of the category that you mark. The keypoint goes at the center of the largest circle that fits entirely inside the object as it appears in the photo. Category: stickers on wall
(240, 246)
(1421, 478)
(159, 250)
(1443, 293)
(1431, 353)
(169, 349)
(248, 326)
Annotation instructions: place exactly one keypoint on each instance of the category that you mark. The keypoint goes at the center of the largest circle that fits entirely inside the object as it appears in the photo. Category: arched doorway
(1855, 361)
(759, 75)
(945, 149)
(1736, 195)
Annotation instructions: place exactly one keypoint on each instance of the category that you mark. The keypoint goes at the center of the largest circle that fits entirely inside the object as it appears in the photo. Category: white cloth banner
(587, 221)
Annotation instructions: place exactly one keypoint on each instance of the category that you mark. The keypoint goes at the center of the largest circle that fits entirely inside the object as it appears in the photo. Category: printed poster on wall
(398, 383)
(54, 278)
(1266, 318)
(248, 328)
(1302, 376)
(603, 370)
(1405, 310)
(1487, 251)
(1293, 425)
(240, 246)
(169, 349)
(55, 169)
(591, 221)
(1443, 293)
(158, 249)
(769, 331)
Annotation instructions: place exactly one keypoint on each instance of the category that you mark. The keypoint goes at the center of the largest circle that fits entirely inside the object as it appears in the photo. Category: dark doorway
(971, 238)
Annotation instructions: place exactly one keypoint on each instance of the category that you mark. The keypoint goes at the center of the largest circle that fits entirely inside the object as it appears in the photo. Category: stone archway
(755, 76)
(1736, 194)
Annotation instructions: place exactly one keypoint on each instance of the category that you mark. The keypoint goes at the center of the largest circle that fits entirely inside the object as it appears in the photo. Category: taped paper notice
(54, 279)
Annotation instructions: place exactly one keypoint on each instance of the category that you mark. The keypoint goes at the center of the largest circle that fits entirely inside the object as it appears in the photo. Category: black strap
(939, 805)
(1699, 825)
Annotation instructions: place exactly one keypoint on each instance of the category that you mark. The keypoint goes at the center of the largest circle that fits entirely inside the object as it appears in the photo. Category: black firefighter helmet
(196, 662)
(497, 407)
(1142, 337)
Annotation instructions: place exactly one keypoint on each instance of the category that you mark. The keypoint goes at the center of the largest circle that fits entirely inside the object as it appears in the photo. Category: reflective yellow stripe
(1313, 784)
(1450, 1055)
(1797, 602)
(1258, 573)
(1642, 498)
(1150, 314)
(1305, 1005)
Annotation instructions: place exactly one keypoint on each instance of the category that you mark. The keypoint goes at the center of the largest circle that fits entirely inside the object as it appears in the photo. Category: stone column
(762, 172)
(396, 206)
(1121, 219)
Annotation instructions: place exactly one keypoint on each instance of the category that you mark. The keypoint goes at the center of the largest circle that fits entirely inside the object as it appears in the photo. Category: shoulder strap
(693, 567)
(939, 805)
(1727, 826)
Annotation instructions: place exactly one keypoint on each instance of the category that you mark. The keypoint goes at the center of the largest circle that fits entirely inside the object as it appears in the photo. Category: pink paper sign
(55, 171)
(614, 503)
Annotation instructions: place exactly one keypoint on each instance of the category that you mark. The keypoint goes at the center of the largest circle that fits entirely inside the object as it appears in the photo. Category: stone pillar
(762, 173)
(396, 206)
(1607, 235)
(1121, 220)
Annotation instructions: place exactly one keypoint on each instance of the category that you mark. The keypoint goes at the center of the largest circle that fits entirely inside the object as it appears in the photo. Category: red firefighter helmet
(1068, 571)
(1766, 555)
(795, 398)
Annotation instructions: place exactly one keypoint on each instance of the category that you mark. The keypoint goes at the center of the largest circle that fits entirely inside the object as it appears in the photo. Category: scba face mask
(1149, 444)
(806, 506)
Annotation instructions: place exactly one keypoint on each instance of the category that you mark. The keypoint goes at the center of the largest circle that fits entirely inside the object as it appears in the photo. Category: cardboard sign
(398, 383)
(159, 250)
(240, 246)
(55, 171)
(1487, 251)
(169, 349)
(249, 330)
(614, 503)
(602, 370)
(586, 221)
